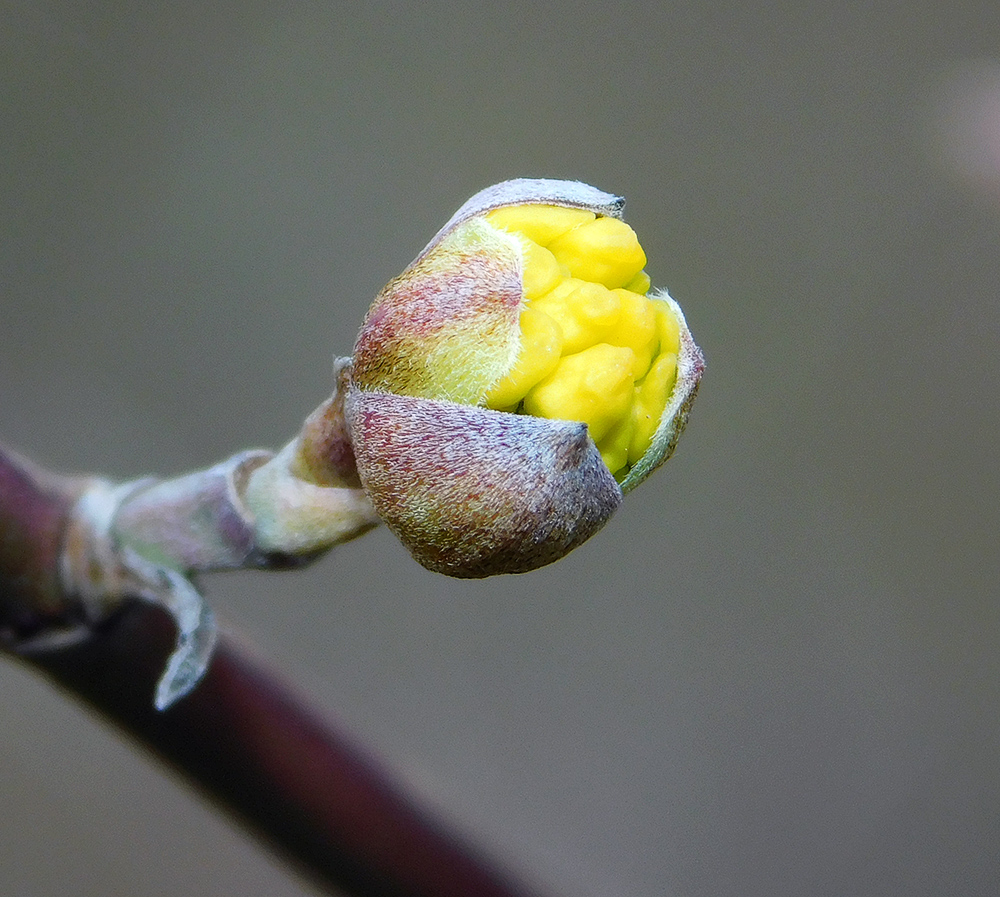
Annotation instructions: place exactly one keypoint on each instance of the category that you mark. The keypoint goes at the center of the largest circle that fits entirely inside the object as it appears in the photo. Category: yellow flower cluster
(594, 347)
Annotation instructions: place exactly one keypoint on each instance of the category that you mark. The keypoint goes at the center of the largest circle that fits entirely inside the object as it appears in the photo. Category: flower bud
(516, 380)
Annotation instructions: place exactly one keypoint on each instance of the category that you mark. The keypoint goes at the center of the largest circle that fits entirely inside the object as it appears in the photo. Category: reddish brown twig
(241, 737)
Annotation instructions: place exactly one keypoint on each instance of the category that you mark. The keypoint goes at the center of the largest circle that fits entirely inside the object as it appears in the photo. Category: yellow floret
(541, 345)
(541, 270)
(668, 328)
(639, 284)
(586, 312)
(594, 347)
(537, 222)
(604, 250)
(594, 387)
(650, 400)
(615, 444)
(636, 328)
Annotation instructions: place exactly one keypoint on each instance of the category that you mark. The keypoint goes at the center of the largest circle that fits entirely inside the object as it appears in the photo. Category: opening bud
(516, 380)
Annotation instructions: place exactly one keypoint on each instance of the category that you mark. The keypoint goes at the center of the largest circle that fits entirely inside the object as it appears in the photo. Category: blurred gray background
(775, 672)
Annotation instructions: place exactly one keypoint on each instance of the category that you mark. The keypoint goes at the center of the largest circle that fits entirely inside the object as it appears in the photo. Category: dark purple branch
(241, 737)
(254, 748)
(33, 510)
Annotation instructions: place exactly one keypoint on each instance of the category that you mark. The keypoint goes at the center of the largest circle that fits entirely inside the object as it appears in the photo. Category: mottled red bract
(447, 327)
(472, 492)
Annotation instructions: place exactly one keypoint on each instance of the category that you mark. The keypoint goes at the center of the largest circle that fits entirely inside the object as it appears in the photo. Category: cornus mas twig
(504, 393)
